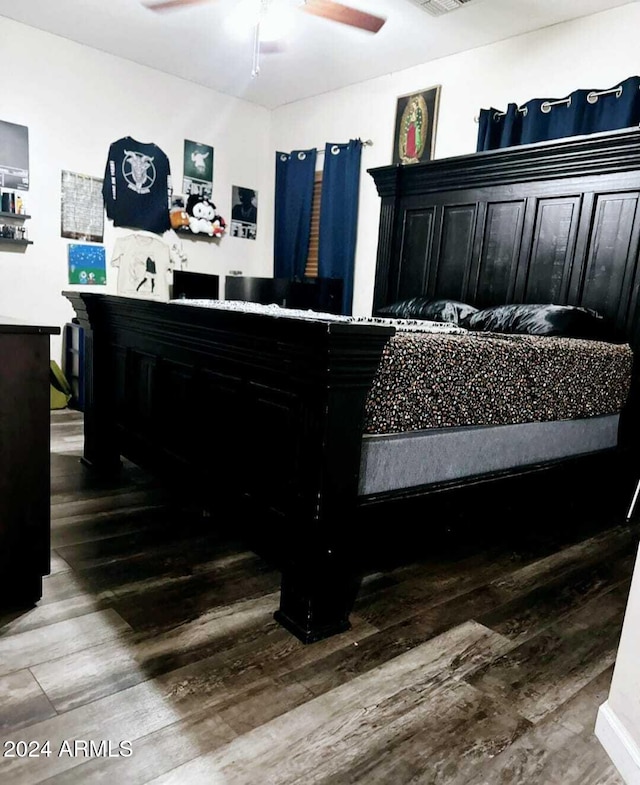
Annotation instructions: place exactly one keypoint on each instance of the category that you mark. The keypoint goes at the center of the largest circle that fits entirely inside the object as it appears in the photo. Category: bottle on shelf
(12, 202)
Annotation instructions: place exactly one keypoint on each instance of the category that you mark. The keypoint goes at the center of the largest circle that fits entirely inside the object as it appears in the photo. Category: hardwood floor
(483, 661)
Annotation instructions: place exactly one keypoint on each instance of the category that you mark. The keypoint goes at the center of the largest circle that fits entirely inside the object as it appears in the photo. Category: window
(311, 268)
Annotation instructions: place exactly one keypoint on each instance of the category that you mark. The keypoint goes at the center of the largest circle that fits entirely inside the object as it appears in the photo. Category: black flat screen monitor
(257, 290)
(195, 286)
(318, 294)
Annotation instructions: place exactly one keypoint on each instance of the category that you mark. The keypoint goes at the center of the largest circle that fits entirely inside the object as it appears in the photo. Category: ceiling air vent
(439, 7)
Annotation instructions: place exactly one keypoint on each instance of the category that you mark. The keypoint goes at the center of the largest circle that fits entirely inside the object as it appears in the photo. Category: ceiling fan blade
(170, 5)
(344, 14)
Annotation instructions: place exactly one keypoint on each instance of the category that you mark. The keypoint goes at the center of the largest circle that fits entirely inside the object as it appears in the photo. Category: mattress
(408, 460)
(431, 380)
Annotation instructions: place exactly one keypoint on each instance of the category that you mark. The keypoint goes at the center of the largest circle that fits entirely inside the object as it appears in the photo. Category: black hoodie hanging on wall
(137, 186)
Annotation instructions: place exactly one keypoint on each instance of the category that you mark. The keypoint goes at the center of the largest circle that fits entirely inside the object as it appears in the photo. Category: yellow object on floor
(59, 387)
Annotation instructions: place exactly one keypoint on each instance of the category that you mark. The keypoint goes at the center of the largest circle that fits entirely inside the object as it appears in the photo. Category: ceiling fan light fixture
(276, 21)
(242, 18)
(439, 7)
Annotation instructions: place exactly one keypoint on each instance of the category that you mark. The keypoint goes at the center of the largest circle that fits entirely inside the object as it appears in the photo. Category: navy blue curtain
(294, 193)
(339, 215)
(499, 129)
(541, 119)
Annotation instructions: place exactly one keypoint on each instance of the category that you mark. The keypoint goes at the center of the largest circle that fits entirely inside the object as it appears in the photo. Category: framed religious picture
(415, 132)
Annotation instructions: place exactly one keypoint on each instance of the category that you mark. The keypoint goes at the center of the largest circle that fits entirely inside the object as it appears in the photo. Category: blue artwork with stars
(87, 264)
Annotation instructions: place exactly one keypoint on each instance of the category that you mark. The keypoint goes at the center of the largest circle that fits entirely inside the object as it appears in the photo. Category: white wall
(618, 725)
(593, 52)
(75, 101)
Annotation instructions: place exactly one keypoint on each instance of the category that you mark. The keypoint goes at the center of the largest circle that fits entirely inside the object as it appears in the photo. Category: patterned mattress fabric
(437, 381)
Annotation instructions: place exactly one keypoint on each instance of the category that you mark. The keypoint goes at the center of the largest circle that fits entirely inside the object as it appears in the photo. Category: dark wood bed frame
(262, 417)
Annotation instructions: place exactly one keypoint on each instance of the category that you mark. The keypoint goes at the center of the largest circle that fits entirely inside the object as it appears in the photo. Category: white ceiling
(196, 43)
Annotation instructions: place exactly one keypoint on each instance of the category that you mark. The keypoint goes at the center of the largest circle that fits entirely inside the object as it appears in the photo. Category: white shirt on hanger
(144, 265)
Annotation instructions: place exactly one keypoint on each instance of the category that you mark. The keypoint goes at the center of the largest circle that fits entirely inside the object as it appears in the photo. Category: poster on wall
(14, 156)
(415, 131)
(82, 207)
(198, 169)
(244, 212)
(87, 264)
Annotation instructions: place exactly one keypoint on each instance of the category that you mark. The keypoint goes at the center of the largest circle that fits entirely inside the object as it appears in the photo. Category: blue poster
(87, 264)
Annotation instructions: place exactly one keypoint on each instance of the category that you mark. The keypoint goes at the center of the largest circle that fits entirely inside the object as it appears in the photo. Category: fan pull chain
(264, 8)
(255, 70)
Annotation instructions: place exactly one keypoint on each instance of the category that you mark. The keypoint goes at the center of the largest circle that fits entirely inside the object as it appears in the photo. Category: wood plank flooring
(483, 660)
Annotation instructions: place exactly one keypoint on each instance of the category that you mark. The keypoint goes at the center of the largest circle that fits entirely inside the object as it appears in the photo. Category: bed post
(321, 574)
(388, 185)
(100, 446)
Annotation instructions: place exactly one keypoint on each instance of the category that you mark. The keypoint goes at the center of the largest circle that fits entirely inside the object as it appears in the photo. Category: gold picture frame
(415, 129)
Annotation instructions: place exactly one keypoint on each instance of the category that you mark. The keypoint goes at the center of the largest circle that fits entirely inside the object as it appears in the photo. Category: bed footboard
(260, 416)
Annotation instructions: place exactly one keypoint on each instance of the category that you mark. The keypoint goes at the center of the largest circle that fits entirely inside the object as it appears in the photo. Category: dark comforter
(435, 381)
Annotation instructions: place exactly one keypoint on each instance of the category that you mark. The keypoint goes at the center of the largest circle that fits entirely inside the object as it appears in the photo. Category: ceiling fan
(336, 12)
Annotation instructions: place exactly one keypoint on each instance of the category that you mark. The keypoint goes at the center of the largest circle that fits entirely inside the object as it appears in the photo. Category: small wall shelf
(17, 216)
(16, 242)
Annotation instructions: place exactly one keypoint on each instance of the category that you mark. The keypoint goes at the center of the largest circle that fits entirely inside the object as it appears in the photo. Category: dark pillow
(565, 320)
(426, 308)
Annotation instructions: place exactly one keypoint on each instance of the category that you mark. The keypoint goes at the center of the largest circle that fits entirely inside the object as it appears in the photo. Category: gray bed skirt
(406, 460)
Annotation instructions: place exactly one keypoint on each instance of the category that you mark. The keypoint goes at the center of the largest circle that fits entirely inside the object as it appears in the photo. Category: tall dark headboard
(556, 222)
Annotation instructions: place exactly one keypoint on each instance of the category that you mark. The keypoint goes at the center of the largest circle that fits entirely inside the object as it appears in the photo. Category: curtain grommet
(593, 96)
(545, 106)
(301, 156)
(335, 150)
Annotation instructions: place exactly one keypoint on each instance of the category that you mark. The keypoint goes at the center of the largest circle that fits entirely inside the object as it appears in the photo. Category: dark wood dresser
(25, 513)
